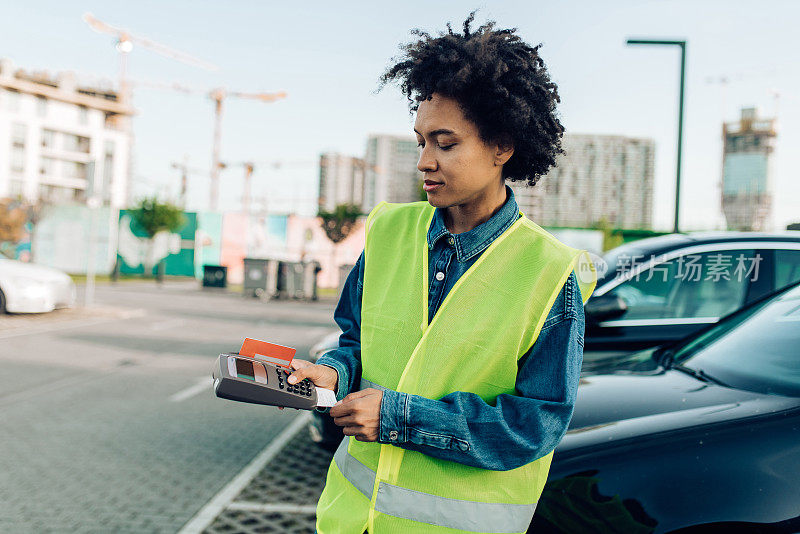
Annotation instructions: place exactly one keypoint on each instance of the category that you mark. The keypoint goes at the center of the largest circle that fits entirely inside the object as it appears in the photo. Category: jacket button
(440, 276)
(393, 435)
(451, 240)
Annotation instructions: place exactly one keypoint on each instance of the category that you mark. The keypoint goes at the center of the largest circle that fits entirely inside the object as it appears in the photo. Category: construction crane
(218, 96)
(125, 42)
(248, 175)
(249, 167)
(726, 80)
(185, 170)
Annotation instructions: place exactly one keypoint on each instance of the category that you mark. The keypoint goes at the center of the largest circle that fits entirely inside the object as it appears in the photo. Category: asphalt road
(107, 418)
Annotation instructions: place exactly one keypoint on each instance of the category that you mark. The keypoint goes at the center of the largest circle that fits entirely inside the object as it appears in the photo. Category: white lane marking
(280, 507)
(77, 323)
(202, 385)
(221, 500)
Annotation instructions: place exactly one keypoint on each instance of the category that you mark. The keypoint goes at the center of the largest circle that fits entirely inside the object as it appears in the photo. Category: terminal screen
(244, 369)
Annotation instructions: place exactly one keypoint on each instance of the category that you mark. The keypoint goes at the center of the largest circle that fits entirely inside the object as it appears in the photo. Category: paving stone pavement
(295, 476)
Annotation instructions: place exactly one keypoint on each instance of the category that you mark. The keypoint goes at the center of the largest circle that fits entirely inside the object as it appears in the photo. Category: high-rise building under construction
(748, 145)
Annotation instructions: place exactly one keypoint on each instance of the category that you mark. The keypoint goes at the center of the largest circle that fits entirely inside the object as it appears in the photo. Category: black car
(661, 289)
(703, 436)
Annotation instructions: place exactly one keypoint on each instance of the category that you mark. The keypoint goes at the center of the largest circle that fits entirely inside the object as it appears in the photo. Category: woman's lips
(430, 185)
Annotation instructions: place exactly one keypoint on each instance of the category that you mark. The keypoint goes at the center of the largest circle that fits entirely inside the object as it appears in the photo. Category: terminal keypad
(302, 388)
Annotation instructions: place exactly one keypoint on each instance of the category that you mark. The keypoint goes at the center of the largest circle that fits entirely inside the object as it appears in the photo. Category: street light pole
(682, 45)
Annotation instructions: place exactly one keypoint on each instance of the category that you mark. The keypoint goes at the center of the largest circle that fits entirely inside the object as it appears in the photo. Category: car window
(646, 294)
(787, 267)
(709, 284)
(755, 350)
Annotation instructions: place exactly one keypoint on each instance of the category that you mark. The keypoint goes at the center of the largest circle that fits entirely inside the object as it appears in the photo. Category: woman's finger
(352, 430)
(297, 363)
(344, 421)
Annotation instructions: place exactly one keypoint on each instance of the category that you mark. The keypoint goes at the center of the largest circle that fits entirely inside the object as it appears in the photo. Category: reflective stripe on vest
(428, 508)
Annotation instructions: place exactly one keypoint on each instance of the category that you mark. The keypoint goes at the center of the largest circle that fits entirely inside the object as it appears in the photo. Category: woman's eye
(445, 147)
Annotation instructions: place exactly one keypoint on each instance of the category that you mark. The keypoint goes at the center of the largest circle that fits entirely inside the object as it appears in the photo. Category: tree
(153, 217)
(339, 223)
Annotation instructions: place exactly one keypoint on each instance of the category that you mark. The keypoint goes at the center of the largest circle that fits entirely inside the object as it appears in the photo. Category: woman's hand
(322, 375)
(359, 414)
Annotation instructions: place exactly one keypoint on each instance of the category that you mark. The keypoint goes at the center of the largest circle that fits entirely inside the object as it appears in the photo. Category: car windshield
(757, 349)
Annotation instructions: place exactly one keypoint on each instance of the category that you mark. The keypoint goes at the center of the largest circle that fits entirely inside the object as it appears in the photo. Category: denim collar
(469, 244)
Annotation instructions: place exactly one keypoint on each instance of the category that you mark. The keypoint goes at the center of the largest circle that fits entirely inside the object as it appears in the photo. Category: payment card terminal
(245, 379)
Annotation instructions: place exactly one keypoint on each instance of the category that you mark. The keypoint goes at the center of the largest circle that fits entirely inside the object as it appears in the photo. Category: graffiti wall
(63, 239)
(257, 236)
(207, 241)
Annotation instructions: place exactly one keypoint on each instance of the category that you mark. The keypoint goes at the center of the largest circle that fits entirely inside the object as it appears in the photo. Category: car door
(670, 296)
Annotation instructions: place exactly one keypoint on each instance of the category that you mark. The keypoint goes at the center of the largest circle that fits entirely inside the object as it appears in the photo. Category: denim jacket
(461, 427)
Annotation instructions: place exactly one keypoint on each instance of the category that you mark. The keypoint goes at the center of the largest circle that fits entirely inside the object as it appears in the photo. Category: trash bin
(294, 280)
(310, 270)
(297, 280)
(286, 279)
(215, 276)
(260, 277)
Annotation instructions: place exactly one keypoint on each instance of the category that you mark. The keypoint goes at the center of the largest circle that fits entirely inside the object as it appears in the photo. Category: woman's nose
(426, 163)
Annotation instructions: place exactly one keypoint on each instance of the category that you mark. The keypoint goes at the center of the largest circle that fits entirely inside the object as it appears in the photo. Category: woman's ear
(504, 151)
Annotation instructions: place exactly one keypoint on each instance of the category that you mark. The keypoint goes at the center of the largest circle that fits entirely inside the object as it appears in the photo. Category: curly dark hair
(500, 83)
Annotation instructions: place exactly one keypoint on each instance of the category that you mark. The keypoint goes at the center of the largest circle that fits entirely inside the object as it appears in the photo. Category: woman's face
(453, 155)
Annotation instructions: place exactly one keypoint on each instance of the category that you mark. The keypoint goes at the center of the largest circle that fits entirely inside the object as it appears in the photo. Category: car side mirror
(605, 307)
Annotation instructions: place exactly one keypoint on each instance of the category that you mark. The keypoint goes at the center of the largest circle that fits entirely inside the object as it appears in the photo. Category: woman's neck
(464, 217)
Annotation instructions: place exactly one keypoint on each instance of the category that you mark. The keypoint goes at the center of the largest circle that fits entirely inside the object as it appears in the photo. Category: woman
(462, 322)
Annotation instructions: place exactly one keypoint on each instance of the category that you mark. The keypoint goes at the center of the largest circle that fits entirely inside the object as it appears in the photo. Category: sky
(327, 56)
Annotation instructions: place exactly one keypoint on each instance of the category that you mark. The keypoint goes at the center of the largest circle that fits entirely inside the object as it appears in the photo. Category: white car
(30, 288)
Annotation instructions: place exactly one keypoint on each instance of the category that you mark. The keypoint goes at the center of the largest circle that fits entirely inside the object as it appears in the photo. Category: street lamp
(682, 44)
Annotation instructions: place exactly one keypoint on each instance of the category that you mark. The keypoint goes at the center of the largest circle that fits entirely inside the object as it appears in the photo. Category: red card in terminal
(268, 352)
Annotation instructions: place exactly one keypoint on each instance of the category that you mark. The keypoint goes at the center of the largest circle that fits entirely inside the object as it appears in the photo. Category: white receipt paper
(325, 398)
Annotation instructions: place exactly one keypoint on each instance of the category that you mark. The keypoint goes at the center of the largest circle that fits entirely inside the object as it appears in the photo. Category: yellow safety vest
(489, 319)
